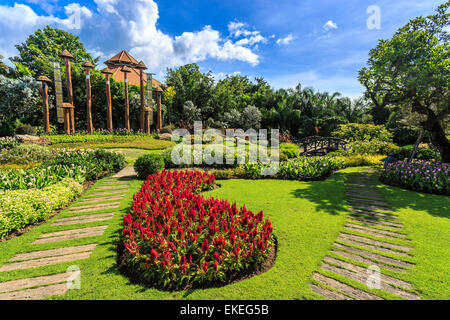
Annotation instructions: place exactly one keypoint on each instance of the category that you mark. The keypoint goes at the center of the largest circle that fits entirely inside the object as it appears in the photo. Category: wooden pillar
(67, 107)
(88, 65)
(125, 71)
(107, 72)
(142, 123)
(44, 81)
(67, 57)
(159, 113)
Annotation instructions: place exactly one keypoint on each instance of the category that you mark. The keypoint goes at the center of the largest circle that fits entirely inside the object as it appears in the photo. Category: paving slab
(98, 206)
(101, 199)
(370, 246)
(44, 261)
(374, 256)
(367, 261)
(26, 283)
(93, 209)
(376, 242)
(87, 219)
(354, 292)
(375, 232)
(53, 252)
(36, 293)
(72, 231)
(331, 295)
(362, 278)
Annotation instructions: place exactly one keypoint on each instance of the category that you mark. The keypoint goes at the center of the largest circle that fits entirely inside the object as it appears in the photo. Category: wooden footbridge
(317, 145)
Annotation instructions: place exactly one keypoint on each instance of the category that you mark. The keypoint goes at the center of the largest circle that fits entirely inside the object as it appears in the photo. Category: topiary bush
(175, 238)
(148, 164)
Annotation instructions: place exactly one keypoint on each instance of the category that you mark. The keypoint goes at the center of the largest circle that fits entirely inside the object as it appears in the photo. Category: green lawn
(133, 142)
(307, 218)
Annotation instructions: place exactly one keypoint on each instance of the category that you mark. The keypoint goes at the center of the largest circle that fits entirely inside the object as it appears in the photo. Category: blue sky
(319, 43)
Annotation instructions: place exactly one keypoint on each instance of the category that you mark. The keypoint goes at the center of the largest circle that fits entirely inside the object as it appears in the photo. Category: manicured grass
(136, 142)
(426, 220)
(307, 218)
(131, 155)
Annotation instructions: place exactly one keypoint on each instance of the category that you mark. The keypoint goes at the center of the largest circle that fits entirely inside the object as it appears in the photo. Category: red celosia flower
(205, 245)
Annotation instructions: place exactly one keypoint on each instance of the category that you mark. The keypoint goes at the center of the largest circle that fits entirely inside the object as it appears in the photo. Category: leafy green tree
(41, 48)
(412, 70)
(191, 85)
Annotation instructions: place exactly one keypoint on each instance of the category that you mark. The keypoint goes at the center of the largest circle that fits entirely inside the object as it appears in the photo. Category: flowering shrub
(8, 143)
(424, 176)
(19, 208)
(175, 237)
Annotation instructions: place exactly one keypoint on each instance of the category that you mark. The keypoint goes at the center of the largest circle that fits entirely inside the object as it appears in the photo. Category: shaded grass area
(307, 218)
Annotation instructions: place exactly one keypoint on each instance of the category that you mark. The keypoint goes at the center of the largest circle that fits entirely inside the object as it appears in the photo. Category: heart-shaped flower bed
(175, 238)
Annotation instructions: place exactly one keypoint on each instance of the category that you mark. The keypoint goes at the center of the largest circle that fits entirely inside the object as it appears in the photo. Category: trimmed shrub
(175, 237)
(362, 132)
(148, 164)
(290, 150)
(26, 129)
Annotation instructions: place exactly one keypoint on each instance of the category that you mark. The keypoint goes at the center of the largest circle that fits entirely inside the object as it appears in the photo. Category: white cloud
(286, 40)
(330, 25)
(118, 24)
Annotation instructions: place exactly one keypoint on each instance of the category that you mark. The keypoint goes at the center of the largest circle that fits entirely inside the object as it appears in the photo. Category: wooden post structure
(142, 123)
(67, 57)
(107, 72)
(44, 81)
(125, 71)
(88, 65)
(158, 104)
(67, 111)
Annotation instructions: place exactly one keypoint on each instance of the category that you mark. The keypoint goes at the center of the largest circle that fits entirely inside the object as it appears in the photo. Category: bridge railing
(320, 145)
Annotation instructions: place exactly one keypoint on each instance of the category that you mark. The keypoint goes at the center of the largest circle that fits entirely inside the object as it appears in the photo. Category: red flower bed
(174, 237)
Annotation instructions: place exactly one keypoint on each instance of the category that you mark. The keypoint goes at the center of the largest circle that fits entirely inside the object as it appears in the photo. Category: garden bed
(175, 239)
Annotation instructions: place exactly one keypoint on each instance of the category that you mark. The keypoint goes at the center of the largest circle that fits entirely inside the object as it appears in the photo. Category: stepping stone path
(105, 198)
(372, 236)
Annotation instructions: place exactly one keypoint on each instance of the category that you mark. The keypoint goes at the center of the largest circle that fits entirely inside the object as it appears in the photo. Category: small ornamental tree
(412, 70)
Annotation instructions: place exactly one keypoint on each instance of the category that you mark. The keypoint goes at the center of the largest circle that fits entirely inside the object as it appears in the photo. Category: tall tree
(412, 70)
(44, 46)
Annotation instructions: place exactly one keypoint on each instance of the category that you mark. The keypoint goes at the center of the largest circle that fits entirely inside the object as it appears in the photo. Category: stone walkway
(105, 198)
(371, 243)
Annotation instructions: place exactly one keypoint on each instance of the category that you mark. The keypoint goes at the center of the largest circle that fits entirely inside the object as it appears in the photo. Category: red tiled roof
(122, 58)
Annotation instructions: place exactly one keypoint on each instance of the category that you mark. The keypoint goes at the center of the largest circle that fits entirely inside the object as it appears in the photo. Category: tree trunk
(419, 139)
(439, 139)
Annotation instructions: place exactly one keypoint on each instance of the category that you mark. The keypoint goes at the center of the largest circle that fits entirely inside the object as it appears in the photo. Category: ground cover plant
(19, 208)
(175, 237)
(432, 177)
